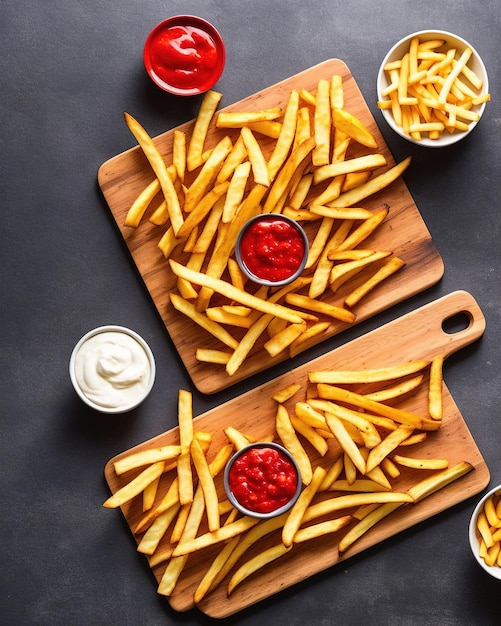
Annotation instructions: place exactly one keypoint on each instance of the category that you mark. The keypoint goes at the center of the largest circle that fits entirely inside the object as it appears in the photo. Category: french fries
(488, 530)
(295, 160)
(432, 92)
(354, 472)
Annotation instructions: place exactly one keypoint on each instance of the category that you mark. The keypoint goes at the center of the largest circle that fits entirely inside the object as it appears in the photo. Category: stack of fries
(313, 161)
(350, 439)
(432, 90)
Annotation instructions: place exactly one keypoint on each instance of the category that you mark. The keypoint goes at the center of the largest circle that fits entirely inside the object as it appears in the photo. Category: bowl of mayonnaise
(112, 369)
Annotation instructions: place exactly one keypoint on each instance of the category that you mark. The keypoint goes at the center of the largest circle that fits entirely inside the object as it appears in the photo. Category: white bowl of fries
(432, 88)
(485, 532)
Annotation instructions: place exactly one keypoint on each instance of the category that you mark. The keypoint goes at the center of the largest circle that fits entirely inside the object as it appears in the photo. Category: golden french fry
(284, 338)
(296, 514)
(185, 420)
(135, 486)
(387, 445)
(330, 392)
(218, 314)
(176, 565)
(179, 153)
(285, 394)
(395, 391)
(342, 272)
(286, 137)
(238, 439)
(319, 306)
(202, 320)
(291, 442)
(353, 127)
(388, 269)
(337, 427)
(257, 160)
(372, 186)
(439, 480)
(236, 190)
(322, 124)
(307, 338)
(233, 293)
(357, 164)
(283, 178)
(152, 537)
(339, 213)
(366, 523)
(338, 503)
(256, 563)
(207, 483)
(141, 203)
(235, 119)
(322, 528)
(435, 407)
(343, 377)
(427, 464)
(206, 112)
(150, 493)
(311, 435)
(146, 457)
(157, 163)
(211, 538)
(214, 571)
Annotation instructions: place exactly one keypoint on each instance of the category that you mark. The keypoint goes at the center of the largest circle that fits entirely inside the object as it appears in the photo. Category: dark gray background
(69, 70)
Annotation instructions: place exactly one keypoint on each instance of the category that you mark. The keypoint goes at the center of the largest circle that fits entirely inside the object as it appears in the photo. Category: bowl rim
(262, 281)
(286, 507)
(493, 570)
(118, 329)
(185, 20)
(381, 82)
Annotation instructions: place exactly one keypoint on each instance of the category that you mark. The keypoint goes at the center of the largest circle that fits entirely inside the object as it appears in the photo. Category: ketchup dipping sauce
(272, 249)
(184, 55)
(262, 480)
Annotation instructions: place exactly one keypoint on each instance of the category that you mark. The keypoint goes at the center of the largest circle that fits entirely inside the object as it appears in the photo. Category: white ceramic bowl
(451, 41)
(112, 369)
(494, 571)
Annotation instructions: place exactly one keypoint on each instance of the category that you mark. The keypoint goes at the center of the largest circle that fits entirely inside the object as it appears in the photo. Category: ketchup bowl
(272, 249)
(184, 55)
(262, 480)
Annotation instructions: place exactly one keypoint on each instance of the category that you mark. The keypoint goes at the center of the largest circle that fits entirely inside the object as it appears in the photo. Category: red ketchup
(184, 57)
(272, 248)
(263, 479)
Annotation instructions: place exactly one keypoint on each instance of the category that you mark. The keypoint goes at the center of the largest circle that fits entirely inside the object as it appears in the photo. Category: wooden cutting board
(404, 233)
(419, 334)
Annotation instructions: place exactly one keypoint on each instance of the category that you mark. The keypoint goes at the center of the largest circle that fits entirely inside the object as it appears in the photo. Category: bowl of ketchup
(184, 55)
(262, 480)
(272, 249)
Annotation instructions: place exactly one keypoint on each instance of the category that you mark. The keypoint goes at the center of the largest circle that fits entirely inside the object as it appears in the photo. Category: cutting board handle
(449, 323)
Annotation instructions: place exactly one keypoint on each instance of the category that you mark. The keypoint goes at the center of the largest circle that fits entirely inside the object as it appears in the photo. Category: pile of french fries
(313, 161)
(488, 528)
(353, 442)
(432, 90)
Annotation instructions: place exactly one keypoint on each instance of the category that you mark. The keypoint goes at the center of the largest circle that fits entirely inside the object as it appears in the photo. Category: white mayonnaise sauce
(112, 369)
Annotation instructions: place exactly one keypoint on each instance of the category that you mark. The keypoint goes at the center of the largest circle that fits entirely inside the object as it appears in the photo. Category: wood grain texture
(419, 334)
(404, 233)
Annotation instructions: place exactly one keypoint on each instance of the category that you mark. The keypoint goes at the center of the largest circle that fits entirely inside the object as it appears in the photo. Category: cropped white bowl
(125, 406)
(493, 570)
(451, 41)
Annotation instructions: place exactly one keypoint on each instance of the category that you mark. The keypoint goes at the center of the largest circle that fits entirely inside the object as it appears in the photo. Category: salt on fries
(432, 90)
(354, 446)
(309, 160)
